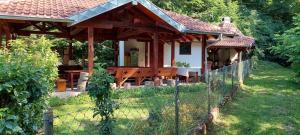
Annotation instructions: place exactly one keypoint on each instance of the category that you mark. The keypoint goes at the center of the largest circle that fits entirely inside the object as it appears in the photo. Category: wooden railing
(139, 74)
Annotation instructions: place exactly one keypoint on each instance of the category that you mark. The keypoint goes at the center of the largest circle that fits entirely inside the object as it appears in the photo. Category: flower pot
(61, 85)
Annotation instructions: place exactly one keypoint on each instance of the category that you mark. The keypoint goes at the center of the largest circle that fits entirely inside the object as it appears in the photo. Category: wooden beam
(116, 52)
(146, 54)
(96, 25)
(12, 21)
(8, 35)
(0, 36)
(173, 63)
(70, 49)
(38, 27)
(29, 32)
(155, 53)
(90, 50)
(76, 31)
(204, 44)
(129, 34)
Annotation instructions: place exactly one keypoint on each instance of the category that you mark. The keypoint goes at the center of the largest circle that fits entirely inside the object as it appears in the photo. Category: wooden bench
(122, 74)
(139, 74)
(170, 73)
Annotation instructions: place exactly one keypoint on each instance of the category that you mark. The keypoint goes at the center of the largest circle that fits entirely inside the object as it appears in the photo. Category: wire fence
(154, 110)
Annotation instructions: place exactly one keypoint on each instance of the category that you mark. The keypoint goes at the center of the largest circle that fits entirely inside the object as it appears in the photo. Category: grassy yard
(141, 111)
(269, 104)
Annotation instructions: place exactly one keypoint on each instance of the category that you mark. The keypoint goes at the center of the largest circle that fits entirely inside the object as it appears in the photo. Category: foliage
(289, 46)
(261, 19)
(80, 99)
(99, 89)
(268, 104)
(182, 64)
(138, 108)
(27, 75)
(104, 53)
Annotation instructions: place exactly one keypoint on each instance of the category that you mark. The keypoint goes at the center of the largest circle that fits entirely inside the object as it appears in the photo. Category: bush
(27, 75)
(100, 91)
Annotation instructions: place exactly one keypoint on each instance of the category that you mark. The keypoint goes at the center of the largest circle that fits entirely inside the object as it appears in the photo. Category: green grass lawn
(74, 115)
(269, 104)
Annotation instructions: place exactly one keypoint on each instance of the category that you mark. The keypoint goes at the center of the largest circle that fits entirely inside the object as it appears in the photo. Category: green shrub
(182, 64)
(100, 91)
(80, 99)
(27, 75)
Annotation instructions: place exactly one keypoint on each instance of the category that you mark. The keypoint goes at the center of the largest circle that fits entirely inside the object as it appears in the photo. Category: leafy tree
(27, 75)
(289, 46)
(100, 91)
(261, 19)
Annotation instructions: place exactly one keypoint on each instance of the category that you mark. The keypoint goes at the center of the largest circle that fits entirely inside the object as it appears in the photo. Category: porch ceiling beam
(38, 27)
(136, 13)
(129, 34)
(59, 26)
(12, 21)
(190, 38)
(125, 24)
(76, 31)
(29, 32)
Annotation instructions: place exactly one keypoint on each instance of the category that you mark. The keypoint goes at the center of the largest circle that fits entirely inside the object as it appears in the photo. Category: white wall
(132, 43)
(195, 59)
(167, 55)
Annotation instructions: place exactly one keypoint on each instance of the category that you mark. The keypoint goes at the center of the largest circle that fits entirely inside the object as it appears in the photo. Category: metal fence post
(48, 122)
(232, 75)
(208, 93)
(224, 80)
(177, 107)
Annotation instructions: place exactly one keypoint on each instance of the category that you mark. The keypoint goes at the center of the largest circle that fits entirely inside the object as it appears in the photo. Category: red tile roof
(237, 41)
(230, 28)
(56, 9)
(62, 9)
(193, 24)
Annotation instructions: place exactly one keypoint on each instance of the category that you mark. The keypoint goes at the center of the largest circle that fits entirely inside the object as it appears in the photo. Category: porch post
(121, 53)
(239, 56)
(173, 54)
(203, 60)
(155, 54)
(240, 67)
(116, 52)
(0, 36)
(90, 49)
(8, 36)
(70, 49)
(146, 54)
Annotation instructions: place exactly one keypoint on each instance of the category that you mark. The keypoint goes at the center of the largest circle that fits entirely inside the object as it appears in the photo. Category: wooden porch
(140, 74)
(128, 21)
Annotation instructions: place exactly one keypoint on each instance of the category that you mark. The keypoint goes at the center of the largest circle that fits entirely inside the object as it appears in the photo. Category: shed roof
(235, 42)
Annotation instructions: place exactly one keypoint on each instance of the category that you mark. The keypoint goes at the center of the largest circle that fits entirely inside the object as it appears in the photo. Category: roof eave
(28, 18)
(189, 31)
(112, 4)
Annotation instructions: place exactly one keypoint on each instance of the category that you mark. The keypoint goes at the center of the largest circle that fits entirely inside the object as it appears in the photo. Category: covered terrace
(101, 20)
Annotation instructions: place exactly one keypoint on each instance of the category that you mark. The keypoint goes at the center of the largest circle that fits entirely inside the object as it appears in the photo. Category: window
(185, 48)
